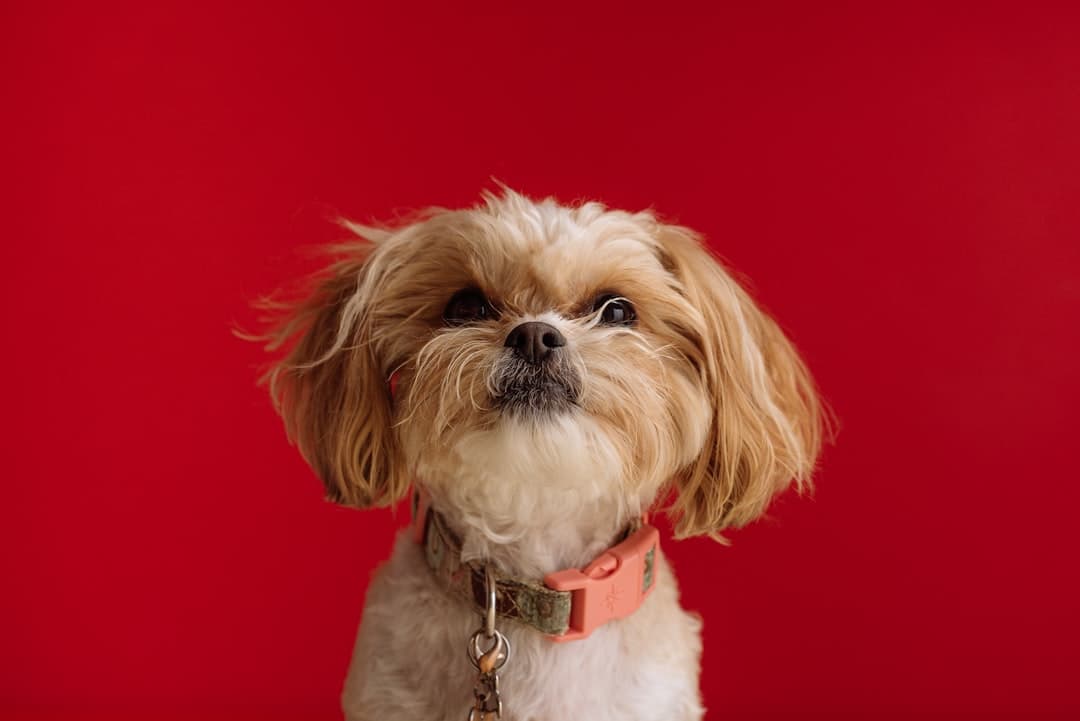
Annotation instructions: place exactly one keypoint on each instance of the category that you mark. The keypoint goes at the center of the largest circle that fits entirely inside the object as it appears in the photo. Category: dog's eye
(615, 310)
(466, 306)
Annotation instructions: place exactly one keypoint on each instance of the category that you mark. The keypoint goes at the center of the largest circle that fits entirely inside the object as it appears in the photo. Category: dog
(537, 376)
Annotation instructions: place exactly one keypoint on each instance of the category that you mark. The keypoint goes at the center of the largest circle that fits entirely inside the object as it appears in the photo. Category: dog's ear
(767, 420)
(332, 390)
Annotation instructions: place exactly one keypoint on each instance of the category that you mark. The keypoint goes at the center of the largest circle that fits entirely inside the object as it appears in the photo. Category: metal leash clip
(487, 704)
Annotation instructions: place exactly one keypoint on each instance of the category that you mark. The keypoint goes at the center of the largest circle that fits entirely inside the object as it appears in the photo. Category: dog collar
(569, 604)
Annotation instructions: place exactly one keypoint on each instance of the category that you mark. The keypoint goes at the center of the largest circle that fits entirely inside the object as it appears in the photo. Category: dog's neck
(534, 499)
(544, 537)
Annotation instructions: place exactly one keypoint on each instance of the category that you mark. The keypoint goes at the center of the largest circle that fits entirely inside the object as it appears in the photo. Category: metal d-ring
(489, 586)
(486, 699)
(496, 655)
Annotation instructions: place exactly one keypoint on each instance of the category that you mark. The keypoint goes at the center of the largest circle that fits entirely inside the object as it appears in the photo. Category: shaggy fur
(702, 395)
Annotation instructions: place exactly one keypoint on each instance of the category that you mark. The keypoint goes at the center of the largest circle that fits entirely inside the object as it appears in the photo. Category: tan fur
(767, 427)
(331, 390)
(703, 394)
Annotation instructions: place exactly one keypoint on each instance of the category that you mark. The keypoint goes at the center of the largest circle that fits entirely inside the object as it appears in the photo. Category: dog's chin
(537, 401)
(536, 393)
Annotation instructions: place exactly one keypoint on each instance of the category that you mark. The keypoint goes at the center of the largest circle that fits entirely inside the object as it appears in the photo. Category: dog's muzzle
(534, 376)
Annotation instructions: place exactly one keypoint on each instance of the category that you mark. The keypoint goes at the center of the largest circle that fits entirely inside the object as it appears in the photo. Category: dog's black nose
(534, 341)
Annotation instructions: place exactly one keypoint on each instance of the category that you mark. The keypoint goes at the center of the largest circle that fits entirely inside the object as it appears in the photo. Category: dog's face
(537, 350)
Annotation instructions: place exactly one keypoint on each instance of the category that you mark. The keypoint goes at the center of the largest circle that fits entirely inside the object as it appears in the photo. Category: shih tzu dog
(536, 377)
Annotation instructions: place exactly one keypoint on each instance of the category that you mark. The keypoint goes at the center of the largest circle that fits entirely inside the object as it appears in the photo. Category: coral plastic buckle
(612, 586)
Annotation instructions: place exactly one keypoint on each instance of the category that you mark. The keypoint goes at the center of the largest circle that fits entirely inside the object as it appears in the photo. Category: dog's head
(522, 349)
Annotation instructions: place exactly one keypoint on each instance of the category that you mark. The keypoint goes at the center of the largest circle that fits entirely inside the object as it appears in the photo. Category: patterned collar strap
(569, 604)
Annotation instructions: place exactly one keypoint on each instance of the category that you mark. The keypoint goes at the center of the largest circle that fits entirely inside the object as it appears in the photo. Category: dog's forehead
(561, 264)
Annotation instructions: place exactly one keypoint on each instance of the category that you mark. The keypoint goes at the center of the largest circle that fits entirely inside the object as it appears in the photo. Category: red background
(900, 185)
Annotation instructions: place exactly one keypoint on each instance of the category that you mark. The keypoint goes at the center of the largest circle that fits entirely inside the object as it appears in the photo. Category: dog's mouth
(525, 389)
